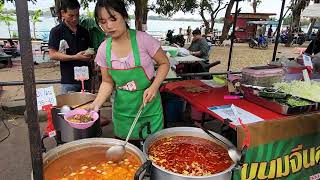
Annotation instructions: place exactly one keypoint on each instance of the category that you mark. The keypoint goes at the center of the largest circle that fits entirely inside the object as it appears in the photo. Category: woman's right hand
(93, 107)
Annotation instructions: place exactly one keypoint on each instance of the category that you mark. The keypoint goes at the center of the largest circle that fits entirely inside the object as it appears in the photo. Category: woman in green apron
(127, 60)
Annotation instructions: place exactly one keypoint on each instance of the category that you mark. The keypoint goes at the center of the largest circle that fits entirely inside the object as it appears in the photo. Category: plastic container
(295, 73)
(94, 115)
(175, 108)
(264, 76)
(197, 115)
(173, 51)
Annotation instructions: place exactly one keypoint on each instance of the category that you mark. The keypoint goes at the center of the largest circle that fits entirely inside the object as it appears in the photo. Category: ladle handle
(134, 123)
(210, 134)
(75, 107)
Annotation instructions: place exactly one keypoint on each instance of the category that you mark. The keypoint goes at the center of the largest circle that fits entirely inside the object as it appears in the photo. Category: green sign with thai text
(293, 159)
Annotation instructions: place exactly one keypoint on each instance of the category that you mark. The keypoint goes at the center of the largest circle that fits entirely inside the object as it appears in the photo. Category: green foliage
(90, 14)
(36, 16)
(303, 22)
(15, 34)
(85, 3)
(6, 18)
(170, 7)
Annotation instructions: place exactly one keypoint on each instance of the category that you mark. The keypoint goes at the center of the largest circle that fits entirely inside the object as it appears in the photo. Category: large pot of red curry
(85, 160)
(188, 153)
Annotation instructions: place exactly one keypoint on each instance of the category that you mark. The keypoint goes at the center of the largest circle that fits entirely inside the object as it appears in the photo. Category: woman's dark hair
(115, 5)
(65, 5)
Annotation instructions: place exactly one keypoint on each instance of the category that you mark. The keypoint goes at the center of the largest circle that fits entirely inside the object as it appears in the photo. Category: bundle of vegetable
(293, 102)
(301, 89)
(271, 93)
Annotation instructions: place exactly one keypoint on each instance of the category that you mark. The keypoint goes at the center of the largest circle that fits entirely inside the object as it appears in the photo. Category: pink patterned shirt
(148, 46)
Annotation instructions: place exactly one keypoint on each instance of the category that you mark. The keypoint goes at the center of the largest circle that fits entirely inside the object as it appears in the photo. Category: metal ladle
(234, 153)
(116, 153)
(65, 108)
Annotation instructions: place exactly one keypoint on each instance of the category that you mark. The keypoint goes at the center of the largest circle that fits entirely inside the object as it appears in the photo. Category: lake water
(155, 27)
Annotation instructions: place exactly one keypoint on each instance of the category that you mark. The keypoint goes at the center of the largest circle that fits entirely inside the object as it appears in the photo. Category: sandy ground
(243, 56)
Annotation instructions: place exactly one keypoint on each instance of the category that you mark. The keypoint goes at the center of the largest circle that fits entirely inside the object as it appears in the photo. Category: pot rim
(182, 129)
(66, 148)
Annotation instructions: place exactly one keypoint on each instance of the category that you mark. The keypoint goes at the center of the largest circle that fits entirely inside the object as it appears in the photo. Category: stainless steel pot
(66, 133)
(66, 148)
(159, 173)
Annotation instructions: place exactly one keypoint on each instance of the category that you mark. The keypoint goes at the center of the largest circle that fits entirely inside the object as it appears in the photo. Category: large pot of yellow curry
(85, 160)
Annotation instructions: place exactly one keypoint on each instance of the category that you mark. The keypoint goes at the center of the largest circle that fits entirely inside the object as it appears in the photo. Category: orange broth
(91, 164)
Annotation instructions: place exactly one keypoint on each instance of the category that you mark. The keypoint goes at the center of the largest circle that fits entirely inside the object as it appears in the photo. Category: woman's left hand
(149, 94)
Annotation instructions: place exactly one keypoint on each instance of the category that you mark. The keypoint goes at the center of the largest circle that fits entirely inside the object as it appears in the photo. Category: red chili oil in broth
(190, 155)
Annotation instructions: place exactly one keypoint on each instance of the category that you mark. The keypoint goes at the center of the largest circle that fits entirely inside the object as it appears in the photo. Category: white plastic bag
(183, 52)
(63, 46)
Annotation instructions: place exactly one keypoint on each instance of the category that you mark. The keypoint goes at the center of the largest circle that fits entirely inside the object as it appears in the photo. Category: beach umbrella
(312, 11)
(263, 22)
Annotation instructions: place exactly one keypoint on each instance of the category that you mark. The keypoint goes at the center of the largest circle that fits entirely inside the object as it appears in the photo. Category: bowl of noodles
(81, 118)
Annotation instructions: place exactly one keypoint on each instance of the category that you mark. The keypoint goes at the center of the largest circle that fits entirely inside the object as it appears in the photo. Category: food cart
(278, 146)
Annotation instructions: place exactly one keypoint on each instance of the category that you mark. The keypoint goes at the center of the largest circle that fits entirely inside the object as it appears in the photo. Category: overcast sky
(267, 6)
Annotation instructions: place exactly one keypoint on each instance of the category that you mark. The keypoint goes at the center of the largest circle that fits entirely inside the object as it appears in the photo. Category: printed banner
(293, 159)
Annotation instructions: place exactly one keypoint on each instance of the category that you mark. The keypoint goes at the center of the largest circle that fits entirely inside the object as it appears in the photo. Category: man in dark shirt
(314, 46)
(67, 44)
(199, 46)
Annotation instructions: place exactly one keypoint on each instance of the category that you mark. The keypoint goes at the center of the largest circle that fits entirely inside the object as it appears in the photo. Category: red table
(215, 97)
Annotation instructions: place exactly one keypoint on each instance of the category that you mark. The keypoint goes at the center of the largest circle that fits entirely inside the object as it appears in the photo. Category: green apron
(130, 85)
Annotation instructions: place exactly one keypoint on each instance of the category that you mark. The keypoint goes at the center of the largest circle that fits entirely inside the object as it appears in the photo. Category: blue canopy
(263, 22)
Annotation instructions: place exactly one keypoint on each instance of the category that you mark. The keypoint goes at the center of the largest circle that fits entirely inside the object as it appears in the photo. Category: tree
(170, 7)
(204, 4)
(213, 11)
(227, 24)
(296, 7)
(255, 4)
(213, 7)
(141, 10)
(36, 18)
(6, 18)
(312, 20)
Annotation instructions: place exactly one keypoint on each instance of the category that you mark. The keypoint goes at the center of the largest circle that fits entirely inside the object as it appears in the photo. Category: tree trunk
(206, 23)
(226, 24)
(138, 14)
(9, 31)
(34, 30)
(145, 13)
(296, 13)
(212, 24)
(254, 6)
(141, 13)
(313, 20)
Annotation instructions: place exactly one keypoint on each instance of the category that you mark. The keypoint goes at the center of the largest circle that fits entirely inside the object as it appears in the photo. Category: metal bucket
(66, 133)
